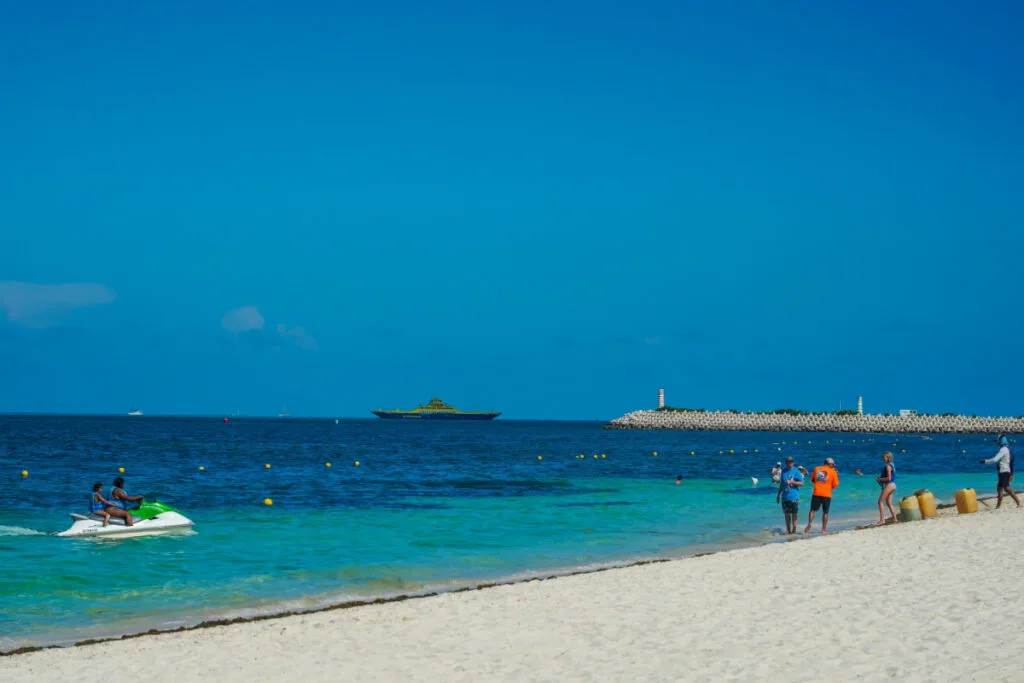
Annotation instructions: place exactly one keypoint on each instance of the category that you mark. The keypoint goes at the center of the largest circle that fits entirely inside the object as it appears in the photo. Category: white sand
(932, 600)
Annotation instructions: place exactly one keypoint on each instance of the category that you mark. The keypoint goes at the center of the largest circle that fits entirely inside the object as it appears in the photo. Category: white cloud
(35, 305)
(242, 319)
(302, 339)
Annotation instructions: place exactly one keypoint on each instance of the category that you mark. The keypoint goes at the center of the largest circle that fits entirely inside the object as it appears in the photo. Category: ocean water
(431, 506)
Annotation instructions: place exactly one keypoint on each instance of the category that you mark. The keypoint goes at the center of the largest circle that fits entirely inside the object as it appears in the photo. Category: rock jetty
(816, 422)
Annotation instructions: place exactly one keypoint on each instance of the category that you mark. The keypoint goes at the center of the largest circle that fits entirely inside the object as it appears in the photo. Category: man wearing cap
(825, 478)
(1005, 459)
(789, 493)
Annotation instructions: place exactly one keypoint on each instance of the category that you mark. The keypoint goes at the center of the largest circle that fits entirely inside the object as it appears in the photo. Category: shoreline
(719, 421)
(841, 525)
(709, 617)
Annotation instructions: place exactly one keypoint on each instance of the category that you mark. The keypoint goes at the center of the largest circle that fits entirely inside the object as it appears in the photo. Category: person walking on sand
(789, 494)
(1004, 457)
(825, 479)
(887, 480)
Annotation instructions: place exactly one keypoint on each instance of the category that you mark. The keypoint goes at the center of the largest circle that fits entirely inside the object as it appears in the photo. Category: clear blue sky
(549, 209)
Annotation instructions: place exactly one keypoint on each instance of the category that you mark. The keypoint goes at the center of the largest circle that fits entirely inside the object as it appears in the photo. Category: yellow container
(910, 511)
(926, 503)
(966, 501)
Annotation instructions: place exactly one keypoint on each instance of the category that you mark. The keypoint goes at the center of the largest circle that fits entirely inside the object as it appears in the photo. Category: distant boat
(285, 413)
(436, 409)
(135, 412)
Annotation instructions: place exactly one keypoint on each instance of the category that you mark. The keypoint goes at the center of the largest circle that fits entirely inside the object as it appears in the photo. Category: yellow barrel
(966, 501)
(910, 511)
(926, 502)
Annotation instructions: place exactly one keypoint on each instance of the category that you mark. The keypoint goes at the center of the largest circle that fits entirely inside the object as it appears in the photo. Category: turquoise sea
(431, 506)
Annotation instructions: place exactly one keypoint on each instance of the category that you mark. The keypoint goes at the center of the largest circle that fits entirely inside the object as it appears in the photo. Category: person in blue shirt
(789, 494)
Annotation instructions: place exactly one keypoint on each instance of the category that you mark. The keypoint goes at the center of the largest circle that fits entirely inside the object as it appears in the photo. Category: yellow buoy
(744, 450)
(121, 470)
(357, 463)
(327, 464)
(755, 450)
(602, 455)
(24, 473)
(904, 450)
(539, 457)
(964, 451)
(267, 501)
(719, 452)
(731, 451)
(267, 466)
(693, 452)
(201, 468)
(655, 454)
(926, 503)
(910, 509)
(966, 501)
(595, 456)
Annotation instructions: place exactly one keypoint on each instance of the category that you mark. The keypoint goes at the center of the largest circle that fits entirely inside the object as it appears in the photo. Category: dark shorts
(1004, 480)
(823, 502)
(790, 506)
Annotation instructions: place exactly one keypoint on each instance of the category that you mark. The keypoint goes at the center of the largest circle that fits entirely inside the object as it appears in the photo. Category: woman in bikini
(887, 481)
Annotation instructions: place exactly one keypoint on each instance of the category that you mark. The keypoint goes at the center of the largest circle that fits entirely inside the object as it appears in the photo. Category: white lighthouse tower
(661, 398)
(860, 405)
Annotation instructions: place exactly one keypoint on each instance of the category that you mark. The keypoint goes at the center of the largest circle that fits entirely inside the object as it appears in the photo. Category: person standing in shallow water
(789, 494)
(1004, 457)
(825, 478)
(887, 480)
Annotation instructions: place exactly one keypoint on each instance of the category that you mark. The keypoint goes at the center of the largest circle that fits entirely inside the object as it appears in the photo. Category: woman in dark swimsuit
(887, 481)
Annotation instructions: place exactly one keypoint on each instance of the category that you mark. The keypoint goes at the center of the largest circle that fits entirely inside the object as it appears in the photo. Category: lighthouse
(860, 405)
(661, 398)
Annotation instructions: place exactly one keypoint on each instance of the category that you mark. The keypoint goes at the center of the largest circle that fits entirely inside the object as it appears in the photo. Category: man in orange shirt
(825, 479)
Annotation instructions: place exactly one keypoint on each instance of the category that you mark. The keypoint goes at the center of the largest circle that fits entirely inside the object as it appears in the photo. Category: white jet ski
(150, 519)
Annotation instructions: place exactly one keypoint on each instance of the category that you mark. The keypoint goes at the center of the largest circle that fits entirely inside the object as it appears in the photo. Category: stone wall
(821, 422)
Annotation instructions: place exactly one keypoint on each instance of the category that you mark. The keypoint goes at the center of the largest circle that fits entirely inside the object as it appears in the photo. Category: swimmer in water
(679, 480)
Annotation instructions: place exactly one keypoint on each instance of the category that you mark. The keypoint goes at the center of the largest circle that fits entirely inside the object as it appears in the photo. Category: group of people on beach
(825, 479)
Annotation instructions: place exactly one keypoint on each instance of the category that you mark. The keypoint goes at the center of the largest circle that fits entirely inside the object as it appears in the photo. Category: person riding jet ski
(119, 497)
(98, 505)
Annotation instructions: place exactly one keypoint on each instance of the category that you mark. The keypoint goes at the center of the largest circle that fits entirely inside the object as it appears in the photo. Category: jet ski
(151, 518)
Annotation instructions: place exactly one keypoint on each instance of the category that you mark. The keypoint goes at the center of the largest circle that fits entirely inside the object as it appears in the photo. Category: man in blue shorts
(789, 494)
(1004, 458)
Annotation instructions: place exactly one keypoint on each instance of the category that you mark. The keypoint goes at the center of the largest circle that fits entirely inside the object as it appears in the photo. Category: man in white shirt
(1005, 459)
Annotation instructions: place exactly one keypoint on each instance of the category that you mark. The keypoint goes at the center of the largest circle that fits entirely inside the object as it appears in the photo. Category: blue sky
(546, 209)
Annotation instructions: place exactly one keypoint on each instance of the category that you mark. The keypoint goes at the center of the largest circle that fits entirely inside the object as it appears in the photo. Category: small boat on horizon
(436, 409)
(135, 412)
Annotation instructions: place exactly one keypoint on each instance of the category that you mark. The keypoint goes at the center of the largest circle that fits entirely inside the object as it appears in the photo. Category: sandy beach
(932, 600)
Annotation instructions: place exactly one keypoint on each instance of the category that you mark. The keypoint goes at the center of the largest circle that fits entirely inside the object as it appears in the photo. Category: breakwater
(816, 422)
